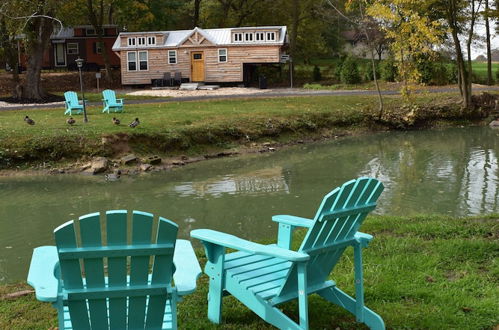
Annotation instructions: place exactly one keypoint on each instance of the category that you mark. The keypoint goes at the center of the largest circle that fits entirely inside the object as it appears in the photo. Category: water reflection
(451, 171)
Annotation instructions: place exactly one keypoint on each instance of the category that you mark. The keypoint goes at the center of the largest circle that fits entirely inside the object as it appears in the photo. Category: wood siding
(231, 71)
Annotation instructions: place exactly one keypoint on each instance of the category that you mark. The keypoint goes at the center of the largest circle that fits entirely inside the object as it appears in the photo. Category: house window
(248, 37)
(260, 36)
(151, 40)
(72, 48)
(238, 37)
(131, 41)
(97, 48)
(141, 41)
(222, 55)
(172, 57)
(270, 36)
(90, 32)
(143, 61)
(132, 61)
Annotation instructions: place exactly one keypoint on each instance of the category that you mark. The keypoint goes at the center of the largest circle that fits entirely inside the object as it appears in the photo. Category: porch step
(190, 86)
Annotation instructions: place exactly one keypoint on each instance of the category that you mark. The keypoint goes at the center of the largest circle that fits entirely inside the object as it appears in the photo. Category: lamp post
(79, 63)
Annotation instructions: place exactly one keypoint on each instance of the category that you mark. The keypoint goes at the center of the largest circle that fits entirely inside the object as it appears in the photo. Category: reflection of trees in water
(451, 171)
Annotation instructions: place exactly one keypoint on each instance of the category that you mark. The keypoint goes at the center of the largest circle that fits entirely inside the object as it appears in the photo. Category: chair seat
(167, 320)
(262, 275)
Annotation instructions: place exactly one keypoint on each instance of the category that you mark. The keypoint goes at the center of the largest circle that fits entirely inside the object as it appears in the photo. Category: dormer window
(151, 41)
(141, 41)
(260, 36)
(270, 36)
(131, 42)
(238, 37)
(90, 32)
(248, 36)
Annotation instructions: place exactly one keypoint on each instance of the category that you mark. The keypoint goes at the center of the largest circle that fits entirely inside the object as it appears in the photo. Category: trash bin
(262, 82)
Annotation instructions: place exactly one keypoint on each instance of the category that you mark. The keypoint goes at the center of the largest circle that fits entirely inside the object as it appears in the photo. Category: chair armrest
(41, 274)
(293, 221)
(233, 242)
(363, 239)
(119, 100)
(187, 269)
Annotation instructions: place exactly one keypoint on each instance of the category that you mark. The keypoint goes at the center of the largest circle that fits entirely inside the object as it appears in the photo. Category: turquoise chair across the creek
(111, 102)
(124, 283)
(72, 104)
(264, 276)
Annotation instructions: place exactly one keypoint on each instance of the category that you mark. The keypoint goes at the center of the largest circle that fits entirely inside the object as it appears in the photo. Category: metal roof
(219, 37)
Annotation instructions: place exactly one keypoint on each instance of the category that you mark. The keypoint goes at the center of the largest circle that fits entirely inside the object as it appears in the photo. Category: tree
(36, 22)
(412, 32)
(487, 14)
(369, 28)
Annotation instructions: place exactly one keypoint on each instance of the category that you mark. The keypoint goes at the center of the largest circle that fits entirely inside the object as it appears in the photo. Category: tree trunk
(197, 6)
(97, 22)
(464, 82)
(489, 53)
(11, 53)
(36, 46)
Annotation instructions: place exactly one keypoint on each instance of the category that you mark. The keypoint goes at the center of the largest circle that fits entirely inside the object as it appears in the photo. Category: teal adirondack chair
(116, 287)
(263, 276)
(111, 102)
(72, 104)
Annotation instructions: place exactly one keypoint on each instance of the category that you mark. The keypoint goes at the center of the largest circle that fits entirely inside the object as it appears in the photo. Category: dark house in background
(68, 44)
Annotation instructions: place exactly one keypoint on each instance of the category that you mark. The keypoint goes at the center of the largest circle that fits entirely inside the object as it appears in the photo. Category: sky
(480, 48)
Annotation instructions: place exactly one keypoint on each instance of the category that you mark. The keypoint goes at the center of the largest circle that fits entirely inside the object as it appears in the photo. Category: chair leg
(302, 294)
(340, 298)
(215, 272)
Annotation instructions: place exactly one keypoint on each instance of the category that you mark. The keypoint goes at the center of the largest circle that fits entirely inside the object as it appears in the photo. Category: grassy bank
(424, 272)
(195, 127)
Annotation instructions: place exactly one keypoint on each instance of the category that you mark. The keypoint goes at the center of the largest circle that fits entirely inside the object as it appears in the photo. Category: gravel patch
(9, 105)
(187, 93)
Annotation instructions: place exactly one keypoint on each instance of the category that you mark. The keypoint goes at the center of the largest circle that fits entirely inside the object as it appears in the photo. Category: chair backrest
(178, 76)
(71, 97)
(338, 219)
(110, 285)
(109, 95)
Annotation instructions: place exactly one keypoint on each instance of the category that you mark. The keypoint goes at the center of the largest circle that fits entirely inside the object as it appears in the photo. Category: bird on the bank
(116, 121)
(71, 121)
(29, 121)
(134, 123)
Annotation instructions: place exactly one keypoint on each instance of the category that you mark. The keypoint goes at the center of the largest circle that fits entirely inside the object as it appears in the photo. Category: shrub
(316, 74)
(452, 73)
(349, 71)
(388, 70)
(424, 65)
(440, 75)
(368, 74)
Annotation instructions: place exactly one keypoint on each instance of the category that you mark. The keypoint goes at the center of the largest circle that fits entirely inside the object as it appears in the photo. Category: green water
(452, 171)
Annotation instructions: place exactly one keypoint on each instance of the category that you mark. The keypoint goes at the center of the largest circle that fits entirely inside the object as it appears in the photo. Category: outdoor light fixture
(79, 63)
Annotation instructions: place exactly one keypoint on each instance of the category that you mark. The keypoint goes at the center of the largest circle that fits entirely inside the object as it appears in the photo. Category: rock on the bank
(99, 164)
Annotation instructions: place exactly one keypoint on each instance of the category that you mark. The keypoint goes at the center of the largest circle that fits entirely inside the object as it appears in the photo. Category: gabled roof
(218, 37)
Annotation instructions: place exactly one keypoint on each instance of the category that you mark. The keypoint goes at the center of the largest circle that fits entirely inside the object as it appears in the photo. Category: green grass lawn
(480, 69)
(189, 127)
(422, 272)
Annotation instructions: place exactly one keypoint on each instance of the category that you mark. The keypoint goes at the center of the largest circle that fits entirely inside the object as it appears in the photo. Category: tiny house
(198, 55)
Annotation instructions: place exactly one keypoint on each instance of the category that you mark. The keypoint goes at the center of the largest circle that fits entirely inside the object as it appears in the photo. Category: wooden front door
(197, 66)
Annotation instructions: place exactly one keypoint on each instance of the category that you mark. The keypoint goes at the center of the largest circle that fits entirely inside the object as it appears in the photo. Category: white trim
(128, 61)
(131, 42)
(141, 41)
(273, 33)
(77, 48)
(226, 55)
(153, 39)
(138, 60)
(176, 58)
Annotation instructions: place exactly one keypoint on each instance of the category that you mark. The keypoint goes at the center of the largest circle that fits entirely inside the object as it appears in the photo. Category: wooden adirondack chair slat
(261, 281)
(128, 293)
(72, 104)
(139, 266)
